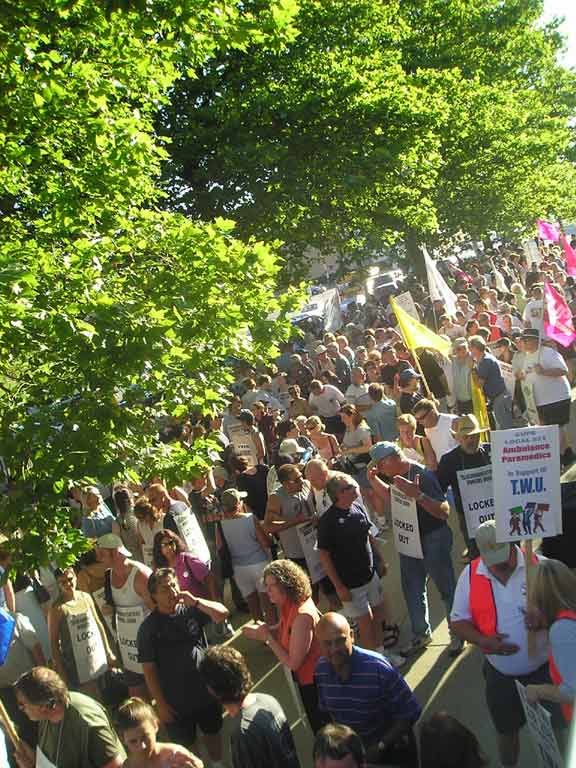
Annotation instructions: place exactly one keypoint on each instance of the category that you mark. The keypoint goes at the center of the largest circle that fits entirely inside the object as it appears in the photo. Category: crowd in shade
(131, 656)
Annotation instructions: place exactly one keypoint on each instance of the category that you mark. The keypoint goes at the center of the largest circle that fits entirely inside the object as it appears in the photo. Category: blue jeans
(437, 563)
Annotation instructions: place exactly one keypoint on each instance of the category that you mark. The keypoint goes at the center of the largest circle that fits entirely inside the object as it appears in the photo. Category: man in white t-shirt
(327, 400)
(437, 426)
(533, 315)
(489, 610)
(357, 392)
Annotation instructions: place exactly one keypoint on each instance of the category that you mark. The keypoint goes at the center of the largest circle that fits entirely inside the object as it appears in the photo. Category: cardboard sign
(406, 302)
(526, 474)
(508, 375)
(244, 446)
(191, 533)
(87, 646)
(307, 536)
(405, 524)
(128, 622)
(541, 731)
(477, 496)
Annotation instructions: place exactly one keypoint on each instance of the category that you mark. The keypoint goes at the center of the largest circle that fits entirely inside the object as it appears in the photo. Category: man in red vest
(489, 611)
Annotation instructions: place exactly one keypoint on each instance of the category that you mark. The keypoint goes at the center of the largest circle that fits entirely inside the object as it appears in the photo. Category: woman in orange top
(293, 641)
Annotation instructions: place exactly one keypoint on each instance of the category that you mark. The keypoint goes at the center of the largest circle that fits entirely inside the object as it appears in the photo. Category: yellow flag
(417, 335)
(479, 405)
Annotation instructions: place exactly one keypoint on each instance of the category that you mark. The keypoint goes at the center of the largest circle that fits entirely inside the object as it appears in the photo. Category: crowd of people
(136, 641)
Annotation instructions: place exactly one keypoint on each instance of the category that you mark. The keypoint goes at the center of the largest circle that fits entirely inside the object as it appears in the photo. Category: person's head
(426, 413)
(357, 375)
(226, 675)
(446, 743)
(246, 418)
(333, 349)
(301, 424)
(286, 429)
(477, 345)
(342, 490)
(338, 746)
(158, 496)
(294, 392)
(317, 473)
(328, 338)
(110, 550)
(91, 498)
(249, 384)
(335, 639)
(146, 512)
(483, 319)
(67, 582)
(372, 372)
(166, 544)
(164, 589)
(485, 333)
(531, 339)
(232, 501)
(499, 558)
(351, 416)
(376, 392)
(553, 589)
(472, 328)
(466, 430)
(137, 725)
(409, 381)
(314, 425)
(361, 355)
(342, 342)
(460, 348)
(517, 290)
(235, 406)
(285, 582)
(290, 477)
(258, 409)
(389, 356)
(406, 424)
(506, 322)
(264, 382)
(290, 447)
(389, 458)
(316, 387)
(41, 694)
(537, 292)
(123, 500)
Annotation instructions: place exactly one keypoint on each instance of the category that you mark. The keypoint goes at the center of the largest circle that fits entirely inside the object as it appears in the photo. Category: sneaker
(456, 647)
(417, 645)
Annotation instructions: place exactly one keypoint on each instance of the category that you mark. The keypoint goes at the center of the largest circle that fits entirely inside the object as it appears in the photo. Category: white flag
(499, 281)
(439, 290)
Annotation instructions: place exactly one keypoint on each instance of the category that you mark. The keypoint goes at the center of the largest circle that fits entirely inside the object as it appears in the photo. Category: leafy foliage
(112, 312)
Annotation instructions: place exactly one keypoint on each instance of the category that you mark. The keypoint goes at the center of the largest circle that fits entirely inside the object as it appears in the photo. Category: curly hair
(291, 579)
(143, 509)
(226, 673)
(158, 558)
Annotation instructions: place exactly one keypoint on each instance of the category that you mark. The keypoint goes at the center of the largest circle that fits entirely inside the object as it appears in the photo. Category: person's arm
(553, 373)
(9, 596)
(301, 636)
(380, 488)
(141, 586)
(434, 507)
(548, 692)
(341, 589)
(263, 538)
(493, 644)
(165, 711)
(116, 762)
(38, 655)
(273, 522)
(363, 448)
(54, 619)
(429, 455)
(216, 611)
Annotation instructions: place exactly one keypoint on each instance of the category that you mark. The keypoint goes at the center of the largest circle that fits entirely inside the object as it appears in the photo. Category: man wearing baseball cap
(409, 386)
(490, 611)
(468, 454)
(390, 466)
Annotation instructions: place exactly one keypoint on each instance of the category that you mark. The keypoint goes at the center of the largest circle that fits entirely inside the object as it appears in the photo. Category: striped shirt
(371, 700)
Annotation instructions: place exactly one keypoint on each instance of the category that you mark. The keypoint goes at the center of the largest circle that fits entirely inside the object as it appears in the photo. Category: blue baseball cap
(383, 450)
(407, 375)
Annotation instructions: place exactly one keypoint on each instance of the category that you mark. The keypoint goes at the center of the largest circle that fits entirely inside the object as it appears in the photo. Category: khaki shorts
(364, 598)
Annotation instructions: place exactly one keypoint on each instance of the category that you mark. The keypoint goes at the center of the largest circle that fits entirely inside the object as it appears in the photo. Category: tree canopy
(113, 313)
(378, 121)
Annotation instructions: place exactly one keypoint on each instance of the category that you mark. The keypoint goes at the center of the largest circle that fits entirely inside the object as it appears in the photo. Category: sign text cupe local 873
(526, 482)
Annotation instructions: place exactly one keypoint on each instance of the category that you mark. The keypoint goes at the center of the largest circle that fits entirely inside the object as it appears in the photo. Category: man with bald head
(385, 708)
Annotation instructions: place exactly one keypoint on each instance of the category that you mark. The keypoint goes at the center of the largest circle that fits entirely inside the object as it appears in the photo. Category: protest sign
(526, 475)
(307, 536)
(406, 302)
(541, 731)
(531, 411)
(405, 524)
(191, 533)
(508, 376)
(128, 621)
(477, 496)
(245, 446)
(87, 646)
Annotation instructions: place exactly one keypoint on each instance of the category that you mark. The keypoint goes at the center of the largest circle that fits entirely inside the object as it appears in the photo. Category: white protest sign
(406, 302)
(244, 446)
(191, 533)
(128, 621)
(508, 376)
(307, 536)
(477, 496)
(405, 524)
(531, 410)
(87, 646)
(541, 731)
(526, 474)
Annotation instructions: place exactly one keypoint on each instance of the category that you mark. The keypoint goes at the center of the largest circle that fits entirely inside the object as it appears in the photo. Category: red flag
(569, 255)
(558, 323)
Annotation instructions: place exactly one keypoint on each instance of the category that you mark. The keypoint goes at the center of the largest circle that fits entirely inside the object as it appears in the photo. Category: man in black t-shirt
(410, 393)
(171, 644)
(469, 454)
(391, 366)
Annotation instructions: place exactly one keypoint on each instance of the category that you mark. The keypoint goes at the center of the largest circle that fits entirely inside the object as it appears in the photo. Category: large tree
(113, 313)
(381, 120)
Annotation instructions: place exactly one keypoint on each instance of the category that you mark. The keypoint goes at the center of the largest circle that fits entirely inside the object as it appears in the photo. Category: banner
(508, 375)
(558, 323)
(416, 335)
(439, 289)
(307, 536)
(479, 406)
(191, 533)
(547, 230)
(569, 255)
(477, 496)
(541, 731)
(405, 524)
(128, 621)
(406, 302)
(87, 646)
(526, 473)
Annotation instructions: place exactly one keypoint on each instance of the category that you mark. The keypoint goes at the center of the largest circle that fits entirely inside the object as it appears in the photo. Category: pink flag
(547, 231)
(558, 323)
(569, 255)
